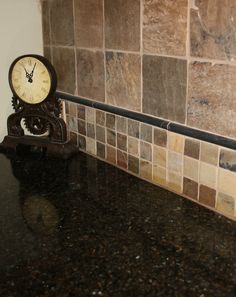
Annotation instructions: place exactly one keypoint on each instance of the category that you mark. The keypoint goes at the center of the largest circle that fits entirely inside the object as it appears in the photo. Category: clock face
(30, 79)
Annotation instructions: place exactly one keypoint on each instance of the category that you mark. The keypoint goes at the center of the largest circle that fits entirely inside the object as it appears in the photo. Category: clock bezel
(51, 72)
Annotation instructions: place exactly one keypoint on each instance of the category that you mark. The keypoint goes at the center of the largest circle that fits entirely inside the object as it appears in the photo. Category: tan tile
(175, 162)
(159, 175)
(111, 154)
(192, 148)
(146, 169)
(91, 146)
(226, 182)
(191, 168)
(207, 175)
(175, 142)
(165, 27)
(160, 137)
(209, 153)
(133, 164)
(190, 188)
(122, 159)
(90, 115)
(133, 146)
(225, 204)
(146, 151)
(159, 156)
(207, 196)
(73, 109)
(100, 117)
(174, 181)
(101, 150)
(228, 159)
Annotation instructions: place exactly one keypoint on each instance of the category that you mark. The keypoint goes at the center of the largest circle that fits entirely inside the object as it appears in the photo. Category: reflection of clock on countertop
(33, 82)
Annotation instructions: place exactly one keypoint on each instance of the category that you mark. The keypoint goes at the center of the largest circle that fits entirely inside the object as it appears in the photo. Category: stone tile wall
(198, 170)
(168, 59)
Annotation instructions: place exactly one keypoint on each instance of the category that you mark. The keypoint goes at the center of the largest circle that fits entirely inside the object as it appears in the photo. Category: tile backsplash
(173, 60)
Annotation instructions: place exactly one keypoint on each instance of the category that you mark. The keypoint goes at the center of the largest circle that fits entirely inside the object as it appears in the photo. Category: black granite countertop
(84, 228)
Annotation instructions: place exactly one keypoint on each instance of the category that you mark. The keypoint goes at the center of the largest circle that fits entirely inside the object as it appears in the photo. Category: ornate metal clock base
(54, 149)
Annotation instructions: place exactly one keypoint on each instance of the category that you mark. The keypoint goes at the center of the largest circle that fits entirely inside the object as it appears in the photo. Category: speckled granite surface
(84, 228)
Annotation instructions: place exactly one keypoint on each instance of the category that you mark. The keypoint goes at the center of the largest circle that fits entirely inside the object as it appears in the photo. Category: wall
(21, 33)
(169, 59)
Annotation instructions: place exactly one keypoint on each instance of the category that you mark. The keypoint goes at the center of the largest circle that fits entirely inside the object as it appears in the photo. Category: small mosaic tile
(90, 115)
(226, 182)
(100, 117)
(190, 188)
(209, 153)
(82, 142)
(111, 137)
(225, 204)
(122, 159)
(174, 181)
(100, 134)
(133, 164)
(175, 142)
(146, 132)
(81, 111)
(91, 146)
(133, 146)
(73, 109)
(175, 162)
(207, 196)
(81, 127)
(146, 151)
(121, 142)
(133, 128)
(159, 175)
(207, 175)
(191, 168)
(110, 121)
(192, 148)
(90, 130)
(111, 154)
(72, 124)
(228, 159)
(146, 169)
(159, 156)
(101, 151)
(160, 137)
(121, 124)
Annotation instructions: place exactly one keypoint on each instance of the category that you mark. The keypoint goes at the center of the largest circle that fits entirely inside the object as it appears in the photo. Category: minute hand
(32, 72)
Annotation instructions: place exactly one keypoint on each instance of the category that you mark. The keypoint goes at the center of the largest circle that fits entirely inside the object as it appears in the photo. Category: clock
(33, 82)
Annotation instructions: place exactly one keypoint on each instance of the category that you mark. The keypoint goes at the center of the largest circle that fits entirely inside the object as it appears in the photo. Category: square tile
(74, 138)
(207, 175)
(228, 159)
(133, 146)
(175, 162)
(191, 168)
(190, 188)
(174, 181)
(122, 159)
(91, 74)
(209, 153)
(133, 128)
(160, 137)
(225, 204)
(101, 150)
(163, 79)
(133, 164)
(82, 142)
(111, 137)
(81, 111)
(90, 130)
(110, 121)
(91, 146)
(64, 63)
(211, 98)
(192, 148)
(146, 132)
(123, 82)
(121, 142)
(122, 24)
(146, 151)
(207, 196)
(145, 169)
(100, 117)
(72, 124)
(159, 156)
(100, 134)
(111, 154)
(82, 127)
(165, 27)
(159, 175)
(226, 182)
(89, 23)
(62, 32)
(73, 109)
(121, 124)
(90, 115)
(175, 142)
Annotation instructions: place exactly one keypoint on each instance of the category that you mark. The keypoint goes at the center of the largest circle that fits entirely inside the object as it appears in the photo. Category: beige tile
(226, 182)
(91, 146)
(159, 156)
(207, 175)
(225, 204)
(209, 153)
(175, 142)
(175, 182)
(146, 169)
(175, 162)
(90, 115)
(133, 146)
(159, 175)
(191, 168)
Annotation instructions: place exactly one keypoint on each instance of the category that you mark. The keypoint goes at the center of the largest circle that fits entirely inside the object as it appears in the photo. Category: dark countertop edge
(157, 122)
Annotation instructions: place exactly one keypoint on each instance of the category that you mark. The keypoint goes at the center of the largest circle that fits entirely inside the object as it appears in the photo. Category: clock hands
(28, 75)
